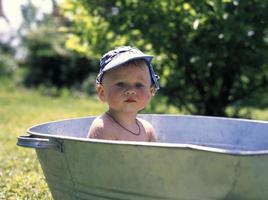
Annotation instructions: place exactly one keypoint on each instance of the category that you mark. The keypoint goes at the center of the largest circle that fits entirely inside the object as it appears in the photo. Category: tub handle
(39, 143)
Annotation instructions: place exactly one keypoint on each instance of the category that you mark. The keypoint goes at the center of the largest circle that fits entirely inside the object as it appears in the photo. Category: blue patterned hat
(122, 55)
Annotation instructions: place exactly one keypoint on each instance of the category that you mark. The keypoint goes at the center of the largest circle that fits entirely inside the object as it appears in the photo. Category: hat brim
(124, 58)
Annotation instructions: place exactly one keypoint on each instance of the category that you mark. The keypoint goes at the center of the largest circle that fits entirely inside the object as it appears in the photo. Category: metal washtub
(195, 158)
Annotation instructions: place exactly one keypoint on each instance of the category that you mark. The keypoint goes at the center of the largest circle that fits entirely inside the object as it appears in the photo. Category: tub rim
(191, 146)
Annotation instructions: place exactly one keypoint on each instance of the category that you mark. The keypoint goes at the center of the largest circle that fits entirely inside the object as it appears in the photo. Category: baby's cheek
(145, 96)
(113, 100)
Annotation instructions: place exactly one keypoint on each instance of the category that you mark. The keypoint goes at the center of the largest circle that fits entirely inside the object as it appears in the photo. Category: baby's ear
(100, 92)
(153, 91)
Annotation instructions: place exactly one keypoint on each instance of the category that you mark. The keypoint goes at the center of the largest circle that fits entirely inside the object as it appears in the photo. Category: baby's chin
(130, 110)
(133, 107)
(127, 107)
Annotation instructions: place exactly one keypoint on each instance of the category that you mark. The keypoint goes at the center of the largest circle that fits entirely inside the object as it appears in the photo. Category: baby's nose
(130, 90)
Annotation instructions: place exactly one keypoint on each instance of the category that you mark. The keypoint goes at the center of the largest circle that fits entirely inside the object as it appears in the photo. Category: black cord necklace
(139, 132)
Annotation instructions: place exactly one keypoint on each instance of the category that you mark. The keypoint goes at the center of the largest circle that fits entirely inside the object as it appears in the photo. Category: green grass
(21, 177)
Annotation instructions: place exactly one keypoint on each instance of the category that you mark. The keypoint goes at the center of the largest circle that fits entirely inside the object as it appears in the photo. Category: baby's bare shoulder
(98, 122)
(100, 128)
(149, 129)
(96, 128)
(147, 125)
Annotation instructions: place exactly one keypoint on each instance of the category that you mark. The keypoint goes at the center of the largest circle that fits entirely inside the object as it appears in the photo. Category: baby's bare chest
(117, 134)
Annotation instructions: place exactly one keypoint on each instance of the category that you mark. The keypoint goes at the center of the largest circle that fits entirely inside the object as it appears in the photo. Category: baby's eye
(120, 84)
(138, 85)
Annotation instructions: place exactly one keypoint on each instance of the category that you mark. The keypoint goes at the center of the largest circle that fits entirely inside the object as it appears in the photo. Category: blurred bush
(7, 63)
(211, 54)
(49, 63)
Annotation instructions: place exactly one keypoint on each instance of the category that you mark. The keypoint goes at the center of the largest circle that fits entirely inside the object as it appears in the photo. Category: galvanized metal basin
(195, 158)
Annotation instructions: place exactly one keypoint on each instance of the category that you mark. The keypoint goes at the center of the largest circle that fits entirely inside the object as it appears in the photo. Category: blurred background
(211, 55)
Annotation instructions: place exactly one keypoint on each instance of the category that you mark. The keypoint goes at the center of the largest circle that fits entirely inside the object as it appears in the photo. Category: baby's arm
(152, 134)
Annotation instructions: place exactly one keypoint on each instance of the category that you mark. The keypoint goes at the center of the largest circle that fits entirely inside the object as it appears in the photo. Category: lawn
(21, 176)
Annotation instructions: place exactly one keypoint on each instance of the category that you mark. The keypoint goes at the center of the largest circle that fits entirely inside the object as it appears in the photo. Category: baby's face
(127, 88)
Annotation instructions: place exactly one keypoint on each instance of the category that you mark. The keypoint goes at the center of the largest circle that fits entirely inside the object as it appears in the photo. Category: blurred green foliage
(48, 62)
(7, 62)
(210, 54)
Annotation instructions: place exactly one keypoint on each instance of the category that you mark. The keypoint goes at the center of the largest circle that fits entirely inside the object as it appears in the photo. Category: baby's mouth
(130, 101)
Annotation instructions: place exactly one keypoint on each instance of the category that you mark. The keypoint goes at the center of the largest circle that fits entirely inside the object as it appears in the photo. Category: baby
(127, 82)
